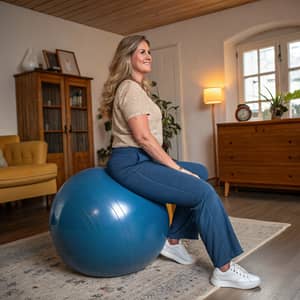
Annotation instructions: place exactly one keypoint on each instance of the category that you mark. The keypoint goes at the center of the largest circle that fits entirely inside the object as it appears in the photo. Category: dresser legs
(227, 186)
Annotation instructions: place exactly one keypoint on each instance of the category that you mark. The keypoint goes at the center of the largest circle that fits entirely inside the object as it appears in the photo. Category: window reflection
(294, 54)
(119, 210)
(250, 63)
(267, 60)
(251, 88)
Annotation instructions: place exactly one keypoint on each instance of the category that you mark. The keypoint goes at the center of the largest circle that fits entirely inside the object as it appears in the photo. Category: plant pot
(102, 162)
(275, 117)
(276, 113)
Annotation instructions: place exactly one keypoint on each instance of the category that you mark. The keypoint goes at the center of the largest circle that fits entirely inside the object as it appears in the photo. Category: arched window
(269, 62)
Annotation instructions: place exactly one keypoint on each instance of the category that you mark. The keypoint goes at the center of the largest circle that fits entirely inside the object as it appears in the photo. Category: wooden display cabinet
(260, 154)
(57, 108)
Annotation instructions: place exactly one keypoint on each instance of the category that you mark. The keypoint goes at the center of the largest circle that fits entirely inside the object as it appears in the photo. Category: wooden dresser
(260, 154)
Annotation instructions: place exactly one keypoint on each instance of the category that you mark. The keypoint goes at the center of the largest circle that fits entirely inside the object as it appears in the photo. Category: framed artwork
(51, 60)
(67, 62)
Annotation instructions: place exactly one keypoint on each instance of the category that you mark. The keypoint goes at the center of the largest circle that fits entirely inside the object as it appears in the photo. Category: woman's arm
(141, 132)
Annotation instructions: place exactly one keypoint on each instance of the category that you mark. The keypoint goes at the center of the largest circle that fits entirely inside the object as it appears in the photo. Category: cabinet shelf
(79, 107)
(53, 131)
(52, 106)
(79, 131)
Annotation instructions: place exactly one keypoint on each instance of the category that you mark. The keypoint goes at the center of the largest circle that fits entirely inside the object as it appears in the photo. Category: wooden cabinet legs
(226, 191)
(49, 200)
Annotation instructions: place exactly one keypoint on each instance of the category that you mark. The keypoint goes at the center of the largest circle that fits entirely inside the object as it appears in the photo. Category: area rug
(30, 269)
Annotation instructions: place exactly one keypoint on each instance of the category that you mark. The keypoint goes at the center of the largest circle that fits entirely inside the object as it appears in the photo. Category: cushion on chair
(25, 153)
(8, 139)
(3, 162)
(26, 174)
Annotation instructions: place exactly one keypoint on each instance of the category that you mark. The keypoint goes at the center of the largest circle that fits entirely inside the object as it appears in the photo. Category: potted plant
(103, 154)
(170, 127)
(280, 102)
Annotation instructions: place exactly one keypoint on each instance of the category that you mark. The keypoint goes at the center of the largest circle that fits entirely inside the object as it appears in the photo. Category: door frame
(182, 153)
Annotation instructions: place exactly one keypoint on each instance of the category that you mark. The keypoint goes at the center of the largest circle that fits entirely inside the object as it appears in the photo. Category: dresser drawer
(254, 137)
(261, 174)
(273, 156)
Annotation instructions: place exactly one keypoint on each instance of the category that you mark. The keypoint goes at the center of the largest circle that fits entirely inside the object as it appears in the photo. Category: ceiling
(127, 16)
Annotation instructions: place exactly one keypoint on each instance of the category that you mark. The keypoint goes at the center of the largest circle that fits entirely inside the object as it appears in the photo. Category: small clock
(243, 112)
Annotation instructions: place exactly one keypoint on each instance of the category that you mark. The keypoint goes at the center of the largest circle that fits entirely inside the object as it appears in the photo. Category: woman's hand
(188, 172)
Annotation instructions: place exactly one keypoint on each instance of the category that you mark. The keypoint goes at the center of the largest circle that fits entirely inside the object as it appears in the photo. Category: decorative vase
(29, 62)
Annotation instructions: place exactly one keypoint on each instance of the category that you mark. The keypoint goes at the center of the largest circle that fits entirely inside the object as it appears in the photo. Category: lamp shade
(213, 95)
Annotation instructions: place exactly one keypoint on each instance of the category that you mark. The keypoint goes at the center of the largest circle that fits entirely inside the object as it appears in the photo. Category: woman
(139, 163)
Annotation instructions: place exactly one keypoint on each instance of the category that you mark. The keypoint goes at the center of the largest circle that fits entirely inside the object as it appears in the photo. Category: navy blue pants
(199, 209)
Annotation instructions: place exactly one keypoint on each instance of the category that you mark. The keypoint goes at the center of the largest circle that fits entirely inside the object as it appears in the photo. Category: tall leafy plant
(103, 154)
(170, 126)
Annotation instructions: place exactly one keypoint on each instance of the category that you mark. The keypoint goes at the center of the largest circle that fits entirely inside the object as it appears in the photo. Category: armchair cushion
(25, 153)
(3, 162)
(8, 139)
(27, 174)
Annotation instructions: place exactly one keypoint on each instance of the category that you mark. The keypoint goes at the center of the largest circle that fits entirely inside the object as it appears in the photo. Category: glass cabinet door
(79, 123)
(79, 119)
(52, 116)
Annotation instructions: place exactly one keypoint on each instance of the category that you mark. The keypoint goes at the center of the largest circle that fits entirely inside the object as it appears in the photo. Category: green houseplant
(103, 154)
(170, 127)
(280, 102)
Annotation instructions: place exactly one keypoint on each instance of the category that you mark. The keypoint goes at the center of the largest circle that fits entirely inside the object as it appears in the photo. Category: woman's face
(141, 59)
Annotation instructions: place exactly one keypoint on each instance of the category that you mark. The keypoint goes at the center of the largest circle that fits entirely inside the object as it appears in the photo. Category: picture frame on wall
(67, 62)
(51, 60)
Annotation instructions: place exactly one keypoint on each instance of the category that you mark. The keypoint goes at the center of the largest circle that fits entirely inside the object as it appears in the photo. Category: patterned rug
(31, 270)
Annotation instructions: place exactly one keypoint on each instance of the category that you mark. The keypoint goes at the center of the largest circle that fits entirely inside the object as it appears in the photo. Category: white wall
(202, 43)
(22, 28)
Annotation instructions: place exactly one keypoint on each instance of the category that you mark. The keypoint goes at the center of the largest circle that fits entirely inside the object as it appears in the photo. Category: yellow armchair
(28, 174)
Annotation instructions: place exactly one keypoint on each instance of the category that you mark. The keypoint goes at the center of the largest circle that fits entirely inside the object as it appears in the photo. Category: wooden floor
(278, 262)
(22, 219)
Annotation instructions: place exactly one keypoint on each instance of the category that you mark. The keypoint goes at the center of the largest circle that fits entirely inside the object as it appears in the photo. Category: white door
(165, 72)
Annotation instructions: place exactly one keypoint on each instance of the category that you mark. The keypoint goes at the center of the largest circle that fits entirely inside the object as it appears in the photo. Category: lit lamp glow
(213, 96)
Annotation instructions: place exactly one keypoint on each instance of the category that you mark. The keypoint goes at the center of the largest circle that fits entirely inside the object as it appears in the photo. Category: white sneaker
(178, 253)
(235, 277)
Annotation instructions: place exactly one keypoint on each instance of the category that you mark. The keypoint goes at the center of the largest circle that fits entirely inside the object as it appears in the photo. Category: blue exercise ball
(101, 229)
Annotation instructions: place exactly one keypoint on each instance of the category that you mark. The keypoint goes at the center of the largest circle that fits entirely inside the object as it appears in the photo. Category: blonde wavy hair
(119, 70)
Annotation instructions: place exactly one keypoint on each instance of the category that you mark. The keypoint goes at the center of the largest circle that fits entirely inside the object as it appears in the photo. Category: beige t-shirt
(131, 100)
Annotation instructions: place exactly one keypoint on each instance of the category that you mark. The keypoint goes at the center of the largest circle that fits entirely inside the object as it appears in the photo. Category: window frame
(280, 43)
